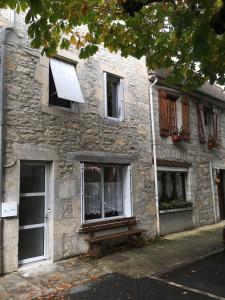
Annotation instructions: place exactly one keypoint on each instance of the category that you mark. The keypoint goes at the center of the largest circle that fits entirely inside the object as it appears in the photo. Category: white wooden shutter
(66, 81)
(105, 92)
(127, 191)
(121, 100)
(82, 207)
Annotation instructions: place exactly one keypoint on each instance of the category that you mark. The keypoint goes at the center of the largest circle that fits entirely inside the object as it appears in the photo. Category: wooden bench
(95, 242)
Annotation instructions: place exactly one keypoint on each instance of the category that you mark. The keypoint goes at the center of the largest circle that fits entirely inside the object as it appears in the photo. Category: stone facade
(35, 131)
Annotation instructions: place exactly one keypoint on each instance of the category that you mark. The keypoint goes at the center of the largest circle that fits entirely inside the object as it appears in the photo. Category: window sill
(174, 210)
(59, 111)
(110, 120)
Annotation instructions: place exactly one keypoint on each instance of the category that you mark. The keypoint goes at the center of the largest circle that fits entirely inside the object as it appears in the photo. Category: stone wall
(35, 131)
(199, 156)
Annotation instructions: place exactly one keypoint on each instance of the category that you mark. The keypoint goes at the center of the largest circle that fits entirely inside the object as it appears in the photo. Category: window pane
(113, 195)
(31, 210)
(112, 96)
(171, 186)
(180, 186)
(32, 179)
(92, 192)
(31, 243)
(53, 97)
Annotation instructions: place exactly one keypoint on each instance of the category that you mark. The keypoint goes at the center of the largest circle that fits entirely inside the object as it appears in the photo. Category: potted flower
(211, 142)
(177, 135)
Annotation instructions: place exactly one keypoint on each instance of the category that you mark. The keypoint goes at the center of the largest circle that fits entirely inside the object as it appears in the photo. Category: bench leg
(135, 240)
(95, 250)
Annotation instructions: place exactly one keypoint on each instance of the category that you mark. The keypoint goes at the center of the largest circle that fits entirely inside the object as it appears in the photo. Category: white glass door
(32, 213)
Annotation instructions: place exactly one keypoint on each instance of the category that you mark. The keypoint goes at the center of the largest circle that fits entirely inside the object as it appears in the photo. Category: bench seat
(95, 242)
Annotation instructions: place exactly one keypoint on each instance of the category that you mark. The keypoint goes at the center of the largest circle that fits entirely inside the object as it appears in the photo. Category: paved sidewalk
(51, 281)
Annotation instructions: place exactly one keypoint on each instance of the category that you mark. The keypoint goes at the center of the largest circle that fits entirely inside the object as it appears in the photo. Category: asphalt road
(202, 280)
(207, 275)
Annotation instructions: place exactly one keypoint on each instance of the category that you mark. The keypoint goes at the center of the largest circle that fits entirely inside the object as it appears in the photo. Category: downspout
(154, 155)
(213, 191)
(2, 72)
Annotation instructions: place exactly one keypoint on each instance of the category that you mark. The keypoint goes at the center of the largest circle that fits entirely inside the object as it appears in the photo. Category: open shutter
(164, 113)
(121, 100)
(215, 125)
(185, 118)
(82, 191)
(172, 116)
(66, 81)
(201, 132)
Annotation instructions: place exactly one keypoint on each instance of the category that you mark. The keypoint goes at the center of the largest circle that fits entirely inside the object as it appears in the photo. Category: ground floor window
(172, 190)
(106, 191)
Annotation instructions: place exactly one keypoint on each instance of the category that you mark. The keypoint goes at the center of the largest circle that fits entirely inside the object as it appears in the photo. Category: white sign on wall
(9, 209)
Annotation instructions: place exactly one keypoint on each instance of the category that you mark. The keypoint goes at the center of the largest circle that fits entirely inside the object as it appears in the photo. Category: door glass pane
(31, 210)
(31, 243)
(32, 179)
(92, 192)
(113, 195)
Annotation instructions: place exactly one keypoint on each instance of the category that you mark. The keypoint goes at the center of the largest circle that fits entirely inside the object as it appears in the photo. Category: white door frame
(45, 224)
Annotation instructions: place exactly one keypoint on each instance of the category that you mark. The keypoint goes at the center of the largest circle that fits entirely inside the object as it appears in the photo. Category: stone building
(77, 149)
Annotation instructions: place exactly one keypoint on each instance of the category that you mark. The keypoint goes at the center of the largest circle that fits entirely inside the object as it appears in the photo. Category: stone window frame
(127, 193)
(120, 96)
(119, 73)
(188, 178)
(42, 76)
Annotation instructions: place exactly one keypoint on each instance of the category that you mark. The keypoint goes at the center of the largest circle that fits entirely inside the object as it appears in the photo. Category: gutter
(212, 189)
(2, 73)
(154, 154)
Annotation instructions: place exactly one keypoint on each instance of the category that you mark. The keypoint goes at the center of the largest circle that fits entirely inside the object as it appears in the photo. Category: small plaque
(9, 209)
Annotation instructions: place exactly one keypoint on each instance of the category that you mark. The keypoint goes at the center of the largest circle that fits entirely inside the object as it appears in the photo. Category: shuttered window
(208, 129)
(174, 115)
(64, 78)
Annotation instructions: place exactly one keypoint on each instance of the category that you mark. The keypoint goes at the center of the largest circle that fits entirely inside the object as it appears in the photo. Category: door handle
(47, 214)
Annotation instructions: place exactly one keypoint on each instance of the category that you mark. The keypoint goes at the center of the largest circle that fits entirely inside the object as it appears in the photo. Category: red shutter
(201, 133)
(215, 126)
(185, 118)
(172, 116)
(163, 113)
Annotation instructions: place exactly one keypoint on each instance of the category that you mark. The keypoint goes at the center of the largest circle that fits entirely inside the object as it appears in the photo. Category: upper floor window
(174, 115)
(113, 96)
(64, 87)
(208, 125)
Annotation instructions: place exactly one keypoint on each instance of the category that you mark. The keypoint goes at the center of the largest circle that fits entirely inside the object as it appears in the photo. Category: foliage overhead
(175, 34)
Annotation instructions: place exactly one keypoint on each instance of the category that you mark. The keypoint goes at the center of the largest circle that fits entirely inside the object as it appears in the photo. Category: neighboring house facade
(78, 150)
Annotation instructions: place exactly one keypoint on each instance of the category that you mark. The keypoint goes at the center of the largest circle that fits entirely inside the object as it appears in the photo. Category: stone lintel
(101, 157)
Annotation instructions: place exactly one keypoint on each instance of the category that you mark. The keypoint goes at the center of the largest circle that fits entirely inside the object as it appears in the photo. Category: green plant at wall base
(174, 35)
(175, 204)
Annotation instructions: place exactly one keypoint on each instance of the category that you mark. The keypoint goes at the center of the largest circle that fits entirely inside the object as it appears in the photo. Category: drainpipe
(154, 154)
(2, 72)
(213, 191)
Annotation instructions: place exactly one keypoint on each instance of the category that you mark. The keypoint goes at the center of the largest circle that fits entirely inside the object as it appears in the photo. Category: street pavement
(136, 267)
(201, 280)
(120, 287)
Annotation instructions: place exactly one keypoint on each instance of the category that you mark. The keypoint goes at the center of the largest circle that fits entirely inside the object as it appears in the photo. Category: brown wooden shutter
(163, 113)
(172, 116)
(185, 118)
(215, 125)
(201, 132)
